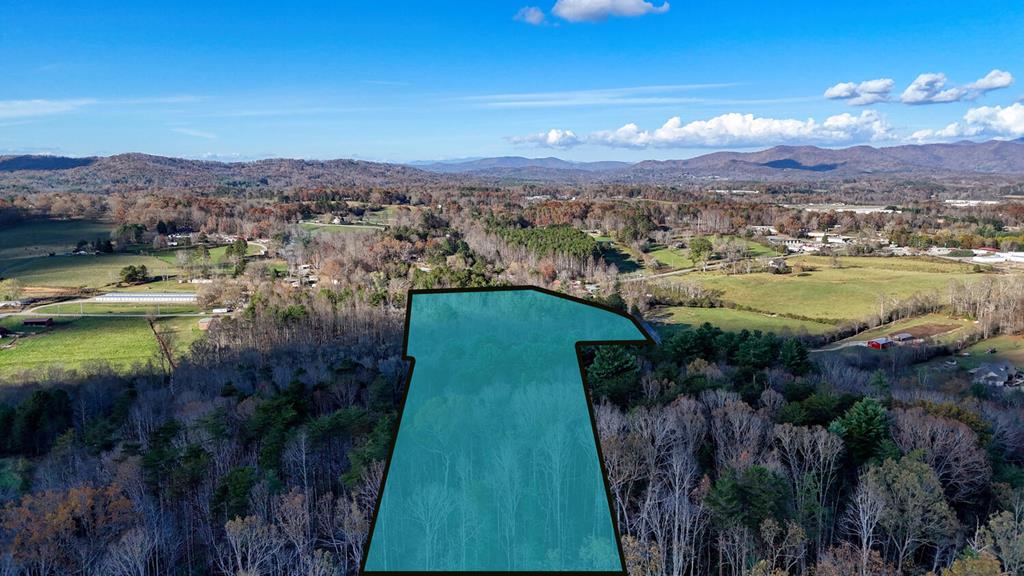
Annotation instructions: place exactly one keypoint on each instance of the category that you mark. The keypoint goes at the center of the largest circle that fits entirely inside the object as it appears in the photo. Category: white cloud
(40, 107)
(862, 94)
(736, 130)
(997, 120)
(931, 88)
(553, 138)
(842, 91)
(195, 133)
(992, 121)
(596, 10)
(994, 80)
(531, 15)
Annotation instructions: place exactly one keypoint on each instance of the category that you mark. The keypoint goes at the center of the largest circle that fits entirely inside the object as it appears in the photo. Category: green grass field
(115, 308)
(179, 333)
(82, 271)
(671, 257)
(217, 253)
(76, 343)
(1007, 347)
(677, 258)
(940, 327)
(41, 237)
(833, 295)
(732, 320)
(339, 228)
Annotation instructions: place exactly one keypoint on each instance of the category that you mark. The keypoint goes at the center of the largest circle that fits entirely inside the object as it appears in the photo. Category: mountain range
(999, 158)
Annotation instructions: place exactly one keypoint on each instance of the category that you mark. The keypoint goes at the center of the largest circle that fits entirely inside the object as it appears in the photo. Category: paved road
(841, 345)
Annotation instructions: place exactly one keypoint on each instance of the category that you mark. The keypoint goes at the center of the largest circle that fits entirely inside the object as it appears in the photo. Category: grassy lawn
(39, 238)
(116, 308)
(217, 253)
(382, 217)
(179, 333)
(338, 228)
(939, 327)
(732, 320)
(1007, 347)
(759, 250)
(671, 257)
(830, 294)
(677, 258)
(76, 343)
(81, 271)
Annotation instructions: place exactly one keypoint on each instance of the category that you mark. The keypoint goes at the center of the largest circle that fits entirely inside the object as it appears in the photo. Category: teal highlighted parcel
(495, 465)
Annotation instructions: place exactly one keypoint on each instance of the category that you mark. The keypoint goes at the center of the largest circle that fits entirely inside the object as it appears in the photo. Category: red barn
(880, 343)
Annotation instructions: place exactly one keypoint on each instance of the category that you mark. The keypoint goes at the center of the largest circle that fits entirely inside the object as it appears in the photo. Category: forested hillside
(757, 447)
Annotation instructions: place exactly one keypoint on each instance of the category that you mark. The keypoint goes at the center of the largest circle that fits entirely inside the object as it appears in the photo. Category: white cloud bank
(992, 121)
(736, 130)
(931, 88)
(597, 10)
(863, 93)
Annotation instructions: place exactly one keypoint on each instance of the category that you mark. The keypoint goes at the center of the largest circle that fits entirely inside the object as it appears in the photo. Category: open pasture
(732, 320)
(38, 238)
(77, 343)
(831, 294)
(937, 327)
(90, 271)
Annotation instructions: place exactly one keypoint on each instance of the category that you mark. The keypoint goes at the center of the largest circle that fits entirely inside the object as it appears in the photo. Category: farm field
(82, 271)
(179, 333)
(939, 327)
(41, 237)
(677, 258)
(1010, 348)
(217, 253)
(316, 227)
(731, 320)
(671, 257)
(834, 295)
(115, 308)
(76, 343)
(384, 217)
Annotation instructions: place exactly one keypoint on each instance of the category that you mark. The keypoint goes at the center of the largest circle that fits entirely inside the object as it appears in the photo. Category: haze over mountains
(780, 163)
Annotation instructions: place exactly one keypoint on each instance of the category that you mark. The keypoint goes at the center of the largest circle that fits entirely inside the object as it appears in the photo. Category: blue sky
(580, 79)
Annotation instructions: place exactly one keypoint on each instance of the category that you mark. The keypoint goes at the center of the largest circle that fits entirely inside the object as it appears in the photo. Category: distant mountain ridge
(136, 171)
(779, 163)
(518, 162)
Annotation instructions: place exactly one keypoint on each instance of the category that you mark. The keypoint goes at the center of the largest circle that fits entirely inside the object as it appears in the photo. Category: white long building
(147, 298)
